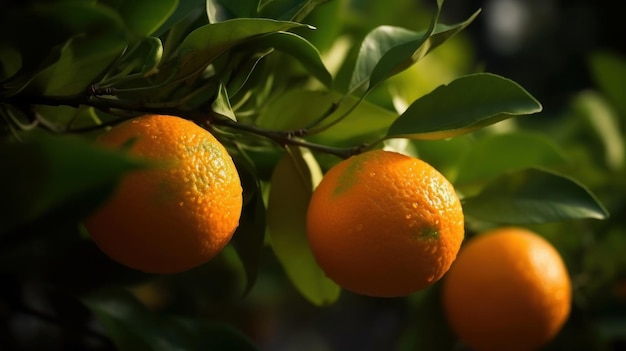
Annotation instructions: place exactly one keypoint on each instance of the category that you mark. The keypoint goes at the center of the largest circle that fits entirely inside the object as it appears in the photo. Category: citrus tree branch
(126, 109)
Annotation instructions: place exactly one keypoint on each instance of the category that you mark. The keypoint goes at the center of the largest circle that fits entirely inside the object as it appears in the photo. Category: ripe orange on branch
(384, 224)
(174, 217)
(508, 290)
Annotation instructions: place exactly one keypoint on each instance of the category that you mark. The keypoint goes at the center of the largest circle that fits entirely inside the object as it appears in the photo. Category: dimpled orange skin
(384, 224)
(508, 290)
(175, 217)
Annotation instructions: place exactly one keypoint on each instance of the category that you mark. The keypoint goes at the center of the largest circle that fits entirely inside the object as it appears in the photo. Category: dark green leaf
(494, 154)
(403, 56)
(10, 61)
(464, 105)
(243, 70)
(288, 10)
(56, 179)
(143, 17)
(143, 59)
(299, 48)
(208, 42)
(78, 27)
(82, 60)
(186, 11)
(533, 196)
(68, 118)
(249, 239)
(291, 187)
(220, 10)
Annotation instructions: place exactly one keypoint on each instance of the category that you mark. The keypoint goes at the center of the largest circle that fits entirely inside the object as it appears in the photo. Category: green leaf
(244, 65)
(468, 103)
(533, 196)
(64, 118)
(143, 58)
(10, 61)
(82, 60)
(249, 239)
(403, 56)
(77, 51)
(289, 10)
(374, 46)
(186, 11)
(298, 47)
(292, 184)
(605, 121)
(608, 71)
(297, 109)
(220, 11)
(221, 105)
(143, 17)
(207, 42)
(57, 180)
(388, 50)
(496, 153)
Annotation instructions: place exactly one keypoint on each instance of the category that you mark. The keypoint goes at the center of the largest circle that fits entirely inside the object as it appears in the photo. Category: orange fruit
(384, 224)
(175, 217)
(507, 290)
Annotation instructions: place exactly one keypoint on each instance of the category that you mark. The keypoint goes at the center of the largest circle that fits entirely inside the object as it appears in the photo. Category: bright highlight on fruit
(508, 290)
(175, 217)
(384, 224)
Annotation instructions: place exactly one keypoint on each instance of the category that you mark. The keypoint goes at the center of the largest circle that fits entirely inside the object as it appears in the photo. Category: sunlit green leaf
(221, 105)
(292, 184)
(388, 50)
(466, 104)
(403, 56)
(375, 45)
(605, 122)
(494, 154)
(533, 196)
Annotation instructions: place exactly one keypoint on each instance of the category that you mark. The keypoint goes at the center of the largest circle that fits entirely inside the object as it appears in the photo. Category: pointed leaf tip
(466, 104)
